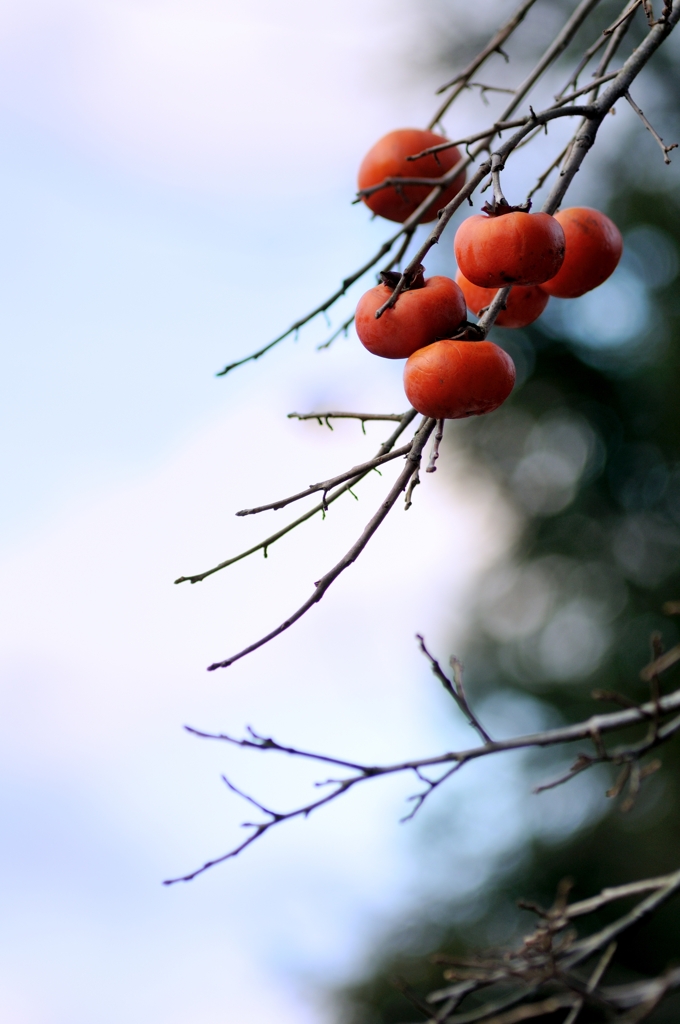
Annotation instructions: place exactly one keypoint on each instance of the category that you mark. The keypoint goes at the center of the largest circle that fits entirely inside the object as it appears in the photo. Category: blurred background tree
(587, 451)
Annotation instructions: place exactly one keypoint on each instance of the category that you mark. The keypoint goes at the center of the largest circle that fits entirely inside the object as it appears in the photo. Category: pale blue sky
(168, 203)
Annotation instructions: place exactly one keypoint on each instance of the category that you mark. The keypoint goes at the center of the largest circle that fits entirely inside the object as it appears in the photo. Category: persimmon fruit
(524, 304)
(510, 247)
(454, 379)
(593, 250)
(429, 309)
(387, 159)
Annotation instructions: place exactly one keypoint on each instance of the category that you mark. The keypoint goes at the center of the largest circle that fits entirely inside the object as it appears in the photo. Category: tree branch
(322, 585)
(263, 545)
(594, 727)
(327, 485)
(324, 417)
(556, 48)
(664, 148)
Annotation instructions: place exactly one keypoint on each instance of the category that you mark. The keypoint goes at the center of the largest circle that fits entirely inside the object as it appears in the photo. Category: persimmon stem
(498, 197)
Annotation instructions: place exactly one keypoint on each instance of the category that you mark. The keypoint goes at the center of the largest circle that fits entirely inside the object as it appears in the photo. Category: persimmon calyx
(413, 279)
(469, 332)
(498, 209)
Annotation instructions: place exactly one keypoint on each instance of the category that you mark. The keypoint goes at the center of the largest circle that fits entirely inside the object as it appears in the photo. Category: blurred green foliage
(588, 450)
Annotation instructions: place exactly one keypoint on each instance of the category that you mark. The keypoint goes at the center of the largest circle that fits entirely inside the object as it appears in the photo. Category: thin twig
(558, 45)
(321, 308)
(546, 174)
(583, 140)
(597, 45)
(661, 664)
(595, 84)
(365, 417)
(616, 89)
(482, 171)
(327, 485)
(612, 722)
(263, 545)
(585, 948)
(322, 585)
(492, 47)
(483, 87)
(456, 691)
(582, 144)
(434, 454)
(626, 14)
(413, 483)
(342, 329)
(664, 148)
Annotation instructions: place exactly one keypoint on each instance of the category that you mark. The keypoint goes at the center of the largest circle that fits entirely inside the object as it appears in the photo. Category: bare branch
(498, 303)
(327, 485)
(664, 148)
(399, 182)
(413, 483)
(526, 1012)
(661, 664)
(493, 46)
(321, 308)
(448, 211)
(546, 174)
(456, 691)
(322, 585)
(263, 545)
(260, 829)
(365, 417)
(559, 100)
(581, 144)
(618, 87)
(342, 329)
(600, 42)
(556, 48)
(487, 88)
(547, 957)
(434, 455)
(585, 948)
(454, 760)
(258, 742)
(407, 229)
(497, 127)
(611, 49)
(626, 14)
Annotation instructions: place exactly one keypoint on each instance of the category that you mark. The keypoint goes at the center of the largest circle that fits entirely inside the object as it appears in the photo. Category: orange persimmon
(387, 159)
(454, 379)
(509, 248)
(524, 304)
(593, 250)
(428, 310)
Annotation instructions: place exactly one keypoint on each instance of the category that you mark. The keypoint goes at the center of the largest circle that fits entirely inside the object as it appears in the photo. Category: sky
(175, 188)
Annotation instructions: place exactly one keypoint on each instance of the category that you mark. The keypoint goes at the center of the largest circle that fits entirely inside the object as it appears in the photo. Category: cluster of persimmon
(451, 371)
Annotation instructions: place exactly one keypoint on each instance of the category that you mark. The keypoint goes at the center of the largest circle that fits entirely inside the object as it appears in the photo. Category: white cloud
(264, 97)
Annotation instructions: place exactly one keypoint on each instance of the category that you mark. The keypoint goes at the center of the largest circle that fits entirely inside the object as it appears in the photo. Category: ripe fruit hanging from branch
(524, 304)
(509, 247)
(462, 375)
(465, 375)
(454, 379)
(593, 250)
(388, 159)
(426, 311)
